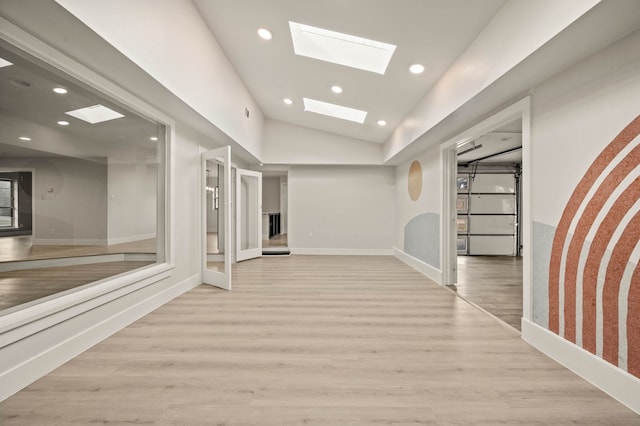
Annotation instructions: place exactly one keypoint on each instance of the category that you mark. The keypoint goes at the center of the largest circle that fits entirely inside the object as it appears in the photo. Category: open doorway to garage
(488, 225)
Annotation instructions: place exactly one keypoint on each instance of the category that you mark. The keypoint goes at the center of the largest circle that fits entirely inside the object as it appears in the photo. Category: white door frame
(217, 278)
(520, 109)
(255, 252)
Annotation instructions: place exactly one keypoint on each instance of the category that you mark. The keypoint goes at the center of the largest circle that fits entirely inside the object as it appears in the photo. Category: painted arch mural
(594, 277)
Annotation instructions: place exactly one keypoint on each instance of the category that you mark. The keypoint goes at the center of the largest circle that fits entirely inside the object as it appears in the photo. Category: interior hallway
(315, 340)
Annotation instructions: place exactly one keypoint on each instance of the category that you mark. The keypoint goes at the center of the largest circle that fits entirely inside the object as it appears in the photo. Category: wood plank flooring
(315, 340)
(494, 283)
(279, 240)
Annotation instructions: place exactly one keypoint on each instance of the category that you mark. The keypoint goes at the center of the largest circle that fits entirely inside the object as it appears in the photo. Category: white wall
(70, 199)
(417, 226)
(290, 144)
(181, 43)
(132, 201)
(344, 209)
(576, 115)
(430, 197)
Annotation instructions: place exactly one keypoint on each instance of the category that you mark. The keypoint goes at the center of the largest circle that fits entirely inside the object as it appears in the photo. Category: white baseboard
(420, 266)
(69, 242)
(610, 379)
(341, 252)
(75, 337)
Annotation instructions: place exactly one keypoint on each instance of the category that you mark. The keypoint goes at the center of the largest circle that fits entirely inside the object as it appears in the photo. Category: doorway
(486, 241)
(489, 262)
(275, 213)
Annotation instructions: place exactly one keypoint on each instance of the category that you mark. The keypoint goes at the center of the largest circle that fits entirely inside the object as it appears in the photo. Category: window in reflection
(79, 191)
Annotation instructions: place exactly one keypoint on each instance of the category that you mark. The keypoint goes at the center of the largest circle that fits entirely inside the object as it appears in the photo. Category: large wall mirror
(81, 185)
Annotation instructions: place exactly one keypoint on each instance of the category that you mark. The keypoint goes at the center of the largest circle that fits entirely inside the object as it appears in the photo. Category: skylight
(339, 48)
(333, 110)
(95, 114)
(4, 63)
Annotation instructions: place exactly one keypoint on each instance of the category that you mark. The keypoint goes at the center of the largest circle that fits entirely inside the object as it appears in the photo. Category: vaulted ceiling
(432, 33)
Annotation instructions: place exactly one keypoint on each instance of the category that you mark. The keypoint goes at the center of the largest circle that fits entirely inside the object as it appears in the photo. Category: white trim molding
(425, 269)
(612, 380)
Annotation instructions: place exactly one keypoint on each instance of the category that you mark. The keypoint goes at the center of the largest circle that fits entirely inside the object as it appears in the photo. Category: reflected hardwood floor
(18, 287)
(315, 340)
(22, 248)
(494, 283)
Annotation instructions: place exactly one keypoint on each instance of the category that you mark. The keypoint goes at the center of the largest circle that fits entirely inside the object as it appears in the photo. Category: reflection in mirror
(215, 215)
(79, 183)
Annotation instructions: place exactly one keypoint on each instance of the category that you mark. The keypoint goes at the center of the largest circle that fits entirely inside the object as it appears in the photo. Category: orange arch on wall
(598, 248)
(633, 325)
(626, 136)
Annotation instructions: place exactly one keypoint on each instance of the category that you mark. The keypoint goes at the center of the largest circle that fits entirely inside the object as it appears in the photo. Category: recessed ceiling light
(287, 101)
(333, 110)
(95, 114)
(24, 138)
(382, 123)
(336, 89)
(60, 90)
(63, 123)
(265, 34)
(416, 69)
(153, 138)
(339, 48)
(4, 63)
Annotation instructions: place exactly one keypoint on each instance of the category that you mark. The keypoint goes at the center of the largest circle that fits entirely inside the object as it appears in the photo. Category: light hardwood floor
(494, 283)
(315, 340)
(279, 240)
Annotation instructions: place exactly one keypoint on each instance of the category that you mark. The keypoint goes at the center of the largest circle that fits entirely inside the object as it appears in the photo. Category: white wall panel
(498, 183)
(491, 245)
(491, 224)
(492, 203)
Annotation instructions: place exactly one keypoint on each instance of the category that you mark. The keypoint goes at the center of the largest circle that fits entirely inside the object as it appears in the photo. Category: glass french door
(216, 217)
(248, 214)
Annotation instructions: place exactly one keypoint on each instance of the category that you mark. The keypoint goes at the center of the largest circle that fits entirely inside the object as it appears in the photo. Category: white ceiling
(431, 32)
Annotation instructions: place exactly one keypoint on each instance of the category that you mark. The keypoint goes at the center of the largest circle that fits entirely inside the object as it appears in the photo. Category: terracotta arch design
(568, 250)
